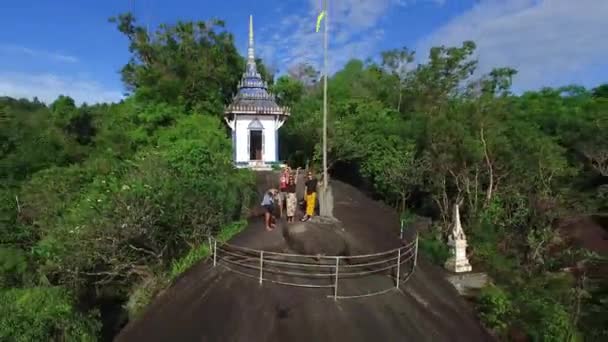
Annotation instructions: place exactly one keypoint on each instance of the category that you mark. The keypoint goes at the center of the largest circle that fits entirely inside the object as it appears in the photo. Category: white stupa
(457, 241)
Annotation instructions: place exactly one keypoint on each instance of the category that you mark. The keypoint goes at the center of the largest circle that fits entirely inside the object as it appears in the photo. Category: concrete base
(457, 266)
(326, 202)
(468, 284)
(458, 261)
(258, 165)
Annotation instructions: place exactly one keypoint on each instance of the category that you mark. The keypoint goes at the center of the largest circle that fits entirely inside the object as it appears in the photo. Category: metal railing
(317, 271)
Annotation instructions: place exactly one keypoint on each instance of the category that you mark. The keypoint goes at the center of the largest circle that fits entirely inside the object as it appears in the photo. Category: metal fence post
(416, 252)
(214, 252)
(398, 266)
(336, 281)
(261, 265)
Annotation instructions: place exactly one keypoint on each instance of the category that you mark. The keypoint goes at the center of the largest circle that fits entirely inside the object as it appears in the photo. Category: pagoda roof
(253, 96)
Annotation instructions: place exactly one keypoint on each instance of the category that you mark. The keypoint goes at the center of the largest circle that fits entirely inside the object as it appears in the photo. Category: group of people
(285, 198)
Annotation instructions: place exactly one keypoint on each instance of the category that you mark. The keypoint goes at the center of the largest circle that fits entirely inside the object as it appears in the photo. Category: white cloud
(54, 56)
(354, 32)
(414, 2)
(550, 42)
(47, 87)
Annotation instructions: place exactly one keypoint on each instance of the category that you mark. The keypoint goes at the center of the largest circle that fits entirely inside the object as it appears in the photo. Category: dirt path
(213, 304)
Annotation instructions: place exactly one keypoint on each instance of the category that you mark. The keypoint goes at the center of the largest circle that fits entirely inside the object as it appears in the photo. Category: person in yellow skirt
(310, 193)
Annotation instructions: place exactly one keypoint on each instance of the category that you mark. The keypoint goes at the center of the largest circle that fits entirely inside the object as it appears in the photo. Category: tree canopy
(426, 137)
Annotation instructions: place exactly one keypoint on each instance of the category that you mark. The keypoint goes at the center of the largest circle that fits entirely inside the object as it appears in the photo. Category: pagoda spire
(250, 49)
(253, 96)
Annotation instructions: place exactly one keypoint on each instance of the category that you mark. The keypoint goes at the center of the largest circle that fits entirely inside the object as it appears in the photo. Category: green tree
(194, 64)
(436, 82)
(397, 63)
(63, 109)
(288, 90)
(305, 73)
(601, 91)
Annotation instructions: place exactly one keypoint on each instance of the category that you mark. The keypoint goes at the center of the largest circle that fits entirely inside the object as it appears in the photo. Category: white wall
(242, 136)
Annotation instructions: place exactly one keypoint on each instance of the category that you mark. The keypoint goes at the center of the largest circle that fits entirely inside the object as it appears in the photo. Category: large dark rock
(316, 237)
(214, 304)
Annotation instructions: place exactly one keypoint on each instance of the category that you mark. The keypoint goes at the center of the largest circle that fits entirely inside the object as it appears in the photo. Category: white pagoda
(254, 118)
(457, 241)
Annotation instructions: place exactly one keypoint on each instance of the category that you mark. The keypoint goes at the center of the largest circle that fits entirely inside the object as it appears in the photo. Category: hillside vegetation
(101, 206)
(428, 136)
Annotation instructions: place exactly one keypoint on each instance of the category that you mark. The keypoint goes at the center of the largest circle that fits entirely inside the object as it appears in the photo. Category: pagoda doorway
(255, 145)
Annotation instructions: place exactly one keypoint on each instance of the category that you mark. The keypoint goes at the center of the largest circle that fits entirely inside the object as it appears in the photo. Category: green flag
(319, 19)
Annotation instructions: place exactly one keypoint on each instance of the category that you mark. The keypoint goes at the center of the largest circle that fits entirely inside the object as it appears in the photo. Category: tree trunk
(490, 167)
(399, 103)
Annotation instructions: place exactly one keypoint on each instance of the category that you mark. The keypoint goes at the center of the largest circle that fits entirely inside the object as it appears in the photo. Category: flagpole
(325, 177)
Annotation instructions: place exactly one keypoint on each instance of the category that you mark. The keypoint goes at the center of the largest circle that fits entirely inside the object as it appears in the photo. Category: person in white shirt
(268, 203)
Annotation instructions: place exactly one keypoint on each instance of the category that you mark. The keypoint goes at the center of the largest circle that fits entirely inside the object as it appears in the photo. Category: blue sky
(57, 47)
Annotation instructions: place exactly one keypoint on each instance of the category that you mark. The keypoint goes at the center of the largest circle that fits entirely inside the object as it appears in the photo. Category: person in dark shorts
(268, 203)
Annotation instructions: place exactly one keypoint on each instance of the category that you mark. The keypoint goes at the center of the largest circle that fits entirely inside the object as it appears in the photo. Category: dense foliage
(426, 137)
(43, 314)
(109, 202)
(193, 64)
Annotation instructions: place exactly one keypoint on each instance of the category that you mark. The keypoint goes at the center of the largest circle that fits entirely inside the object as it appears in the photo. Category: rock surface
(214, 304)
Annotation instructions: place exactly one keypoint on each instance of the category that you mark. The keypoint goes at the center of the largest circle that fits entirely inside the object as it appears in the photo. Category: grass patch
(145, 292)
(227, 232)
(199, 253)
(181, 265)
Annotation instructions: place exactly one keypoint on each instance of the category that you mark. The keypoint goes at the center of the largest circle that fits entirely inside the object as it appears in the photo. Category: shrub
(433, 248)
(195, 255)
(8, 216)
(49, 192)
(494, 308)
(13, 267)
(129, 225)
(44, 314)
(543, 318)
